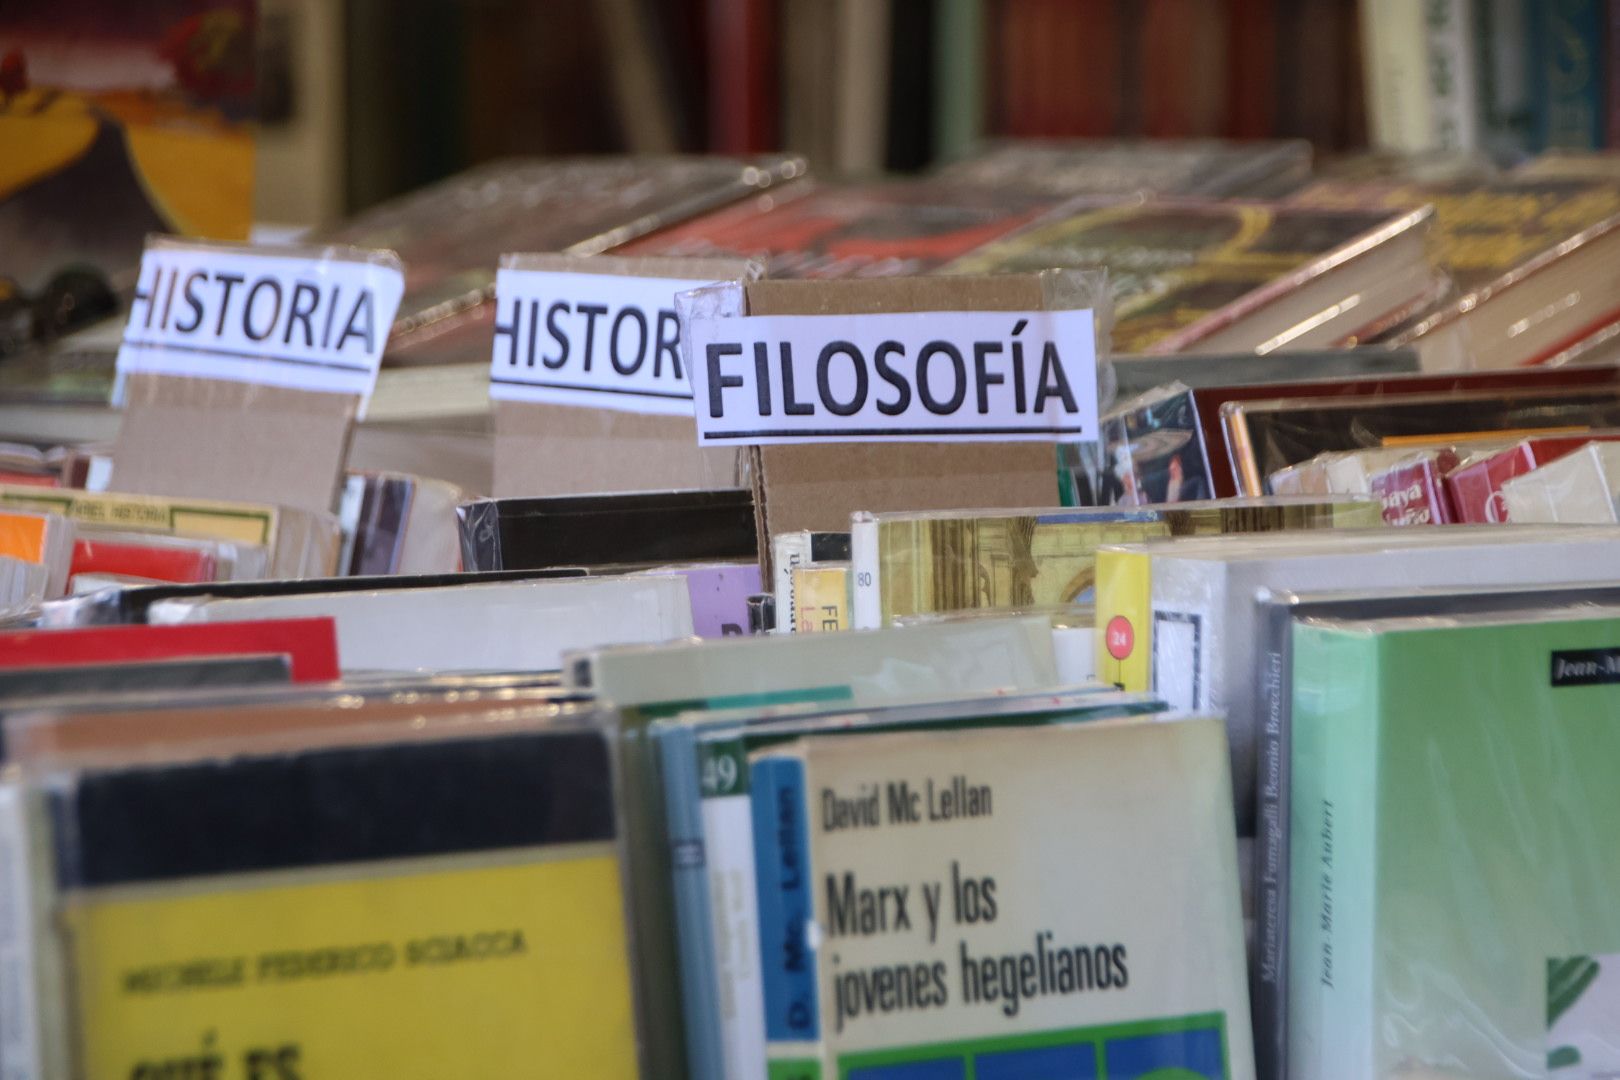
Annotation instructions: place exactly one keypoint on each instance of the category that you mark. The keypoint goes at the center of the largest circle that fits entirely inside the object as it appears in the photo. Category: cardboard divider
(818, 487)
(548, 449)
(215, 439)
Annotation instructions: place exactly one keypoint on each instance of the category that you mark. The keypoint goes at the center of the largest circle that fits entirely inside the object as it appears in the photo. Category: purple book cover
(720, 593)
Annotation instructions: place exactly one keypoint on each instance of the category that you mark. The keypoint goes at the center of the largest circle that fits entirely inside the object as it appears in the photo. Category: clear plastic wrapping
(1452, 881)
(368, 926)
(632, 529)
(1583, 486)
(521, 625)
(939, 561)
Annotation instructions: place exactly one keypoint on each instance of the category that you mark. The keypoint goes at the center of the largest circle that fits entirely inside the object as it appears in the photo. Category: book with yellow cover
(300, 543)
(908, 563)
(821, 597)
(449, 906)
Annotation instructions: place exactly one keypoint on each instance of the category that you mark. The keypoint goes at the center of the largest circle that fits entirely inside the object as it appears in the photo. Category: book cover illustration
(118, 120)
(952, 934)
(1483, 230)
(1172, 264)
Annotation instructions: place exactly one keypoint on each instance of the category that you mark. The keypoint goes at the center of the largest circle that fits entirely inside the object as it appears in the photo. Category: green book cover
(1453, 819)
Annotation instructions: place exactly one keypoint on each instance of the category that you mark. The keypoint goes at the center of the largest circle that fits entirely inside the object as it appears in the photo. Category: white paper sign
(298, 319)
(606, 341)
(963, 376)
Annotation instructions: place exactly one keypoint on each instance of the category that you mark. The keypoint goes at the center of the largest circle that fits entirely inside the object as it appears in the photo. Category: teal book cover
(1455, 821)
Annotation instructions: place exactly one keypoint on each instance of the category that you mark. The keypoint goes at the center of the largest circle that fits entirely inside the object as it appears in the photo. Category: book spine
(1611, 76)
(1269, 996)
(1398, 105)
(20, 1056)
(781, 868)
(1567, 38)
(866, 591)
(959, 81)
(789, 551)
(1453, 87)
(1332, 887)
(733, 908)
(676, 751)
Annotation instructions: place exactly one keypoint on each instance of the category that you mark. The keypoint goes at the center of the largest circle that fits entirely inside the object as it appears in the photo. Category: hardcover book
(1280, 612)
(1230, 276)
(452, 234)
(906, 564)
(1518, 248)
(496, 626)
(639, 529)
(131, 605)
(647, 682)
(894, 229)
(702, 759)
(1580, 487)
(1475, 485)
(301, 543)
(1211, 168)
(44, 539)
(789, 551)
(1265, 436)
(821, 598)
(1203, 615)
(1230, 456)
(916, 912)
(1429, 884)
(1137, 375)
(309, 643)
(360, 927)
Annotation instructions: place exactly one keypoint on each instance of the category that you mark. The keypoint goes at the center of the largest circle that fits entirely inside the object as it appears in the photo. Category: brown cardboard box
(569, 450)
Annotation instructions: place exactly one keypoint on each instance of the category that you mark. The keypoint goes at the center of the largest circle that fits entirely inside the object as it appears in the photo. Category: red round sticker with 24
(1120, 637)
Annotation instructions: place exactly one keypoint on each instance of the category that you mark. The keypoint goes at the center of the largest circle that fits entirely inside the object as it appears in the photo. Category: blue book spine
(782, 863)
(676, 750)
(1568, 74)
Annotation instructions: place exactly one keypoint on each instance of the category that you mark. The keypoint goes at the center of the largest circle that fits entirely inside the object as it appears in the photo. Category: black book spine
(1269, 978)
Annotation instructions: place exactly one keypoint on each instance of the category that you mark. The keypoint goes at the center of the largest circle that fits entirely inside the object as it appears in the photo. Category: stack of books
(1259, 731)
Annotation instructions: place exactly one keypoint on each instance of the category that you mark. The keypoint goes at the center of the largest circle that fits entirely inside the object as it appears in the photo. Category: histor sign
(603, 341)
(305, 319)
(992, 376)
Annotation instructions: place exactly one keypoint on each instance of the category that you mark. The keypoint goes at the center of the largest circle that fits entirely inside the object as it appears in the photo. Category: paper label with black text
(603, 341)
(298, 319)
(902, 377)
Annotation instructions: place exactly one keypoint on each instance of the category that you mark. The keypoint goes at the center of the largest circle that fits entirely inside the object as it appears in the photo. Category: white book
(21, 1052)
(500, 626)
(1583, 487)
(865, 666)
(1007, 902)
(1206, 626)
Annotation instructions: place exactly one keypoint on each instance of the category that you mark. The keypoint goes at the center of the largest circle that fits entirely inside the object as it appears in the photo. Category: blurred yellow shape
(201, 181)
(41, 131)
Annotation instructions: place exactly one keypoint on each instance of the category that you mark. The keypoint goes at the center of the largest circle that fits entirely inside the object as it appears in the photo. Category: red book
(1413, 490)
(309, 644)
(1475, 486)
(155, 562)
